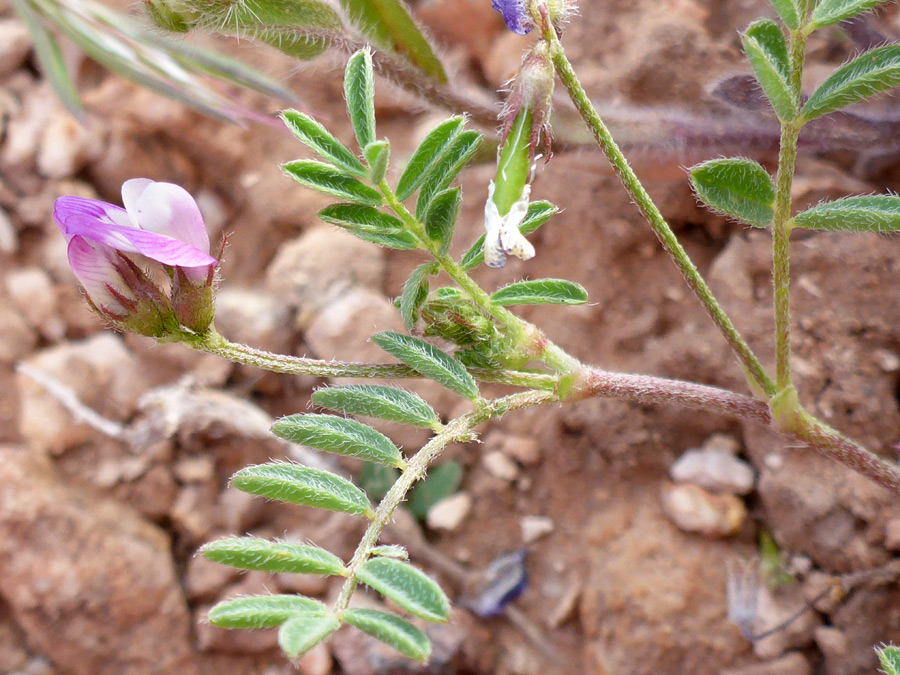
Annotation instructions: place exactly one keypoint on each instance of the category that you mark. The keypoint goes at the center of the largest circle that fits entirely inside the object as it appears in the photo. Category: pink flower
(111, 251)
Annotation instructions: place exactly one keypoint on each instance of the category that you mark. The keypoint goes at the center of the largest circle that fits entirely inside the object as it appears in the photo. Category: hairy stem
(604, 139)
(458, 429)
(213, 343)
(781, 232)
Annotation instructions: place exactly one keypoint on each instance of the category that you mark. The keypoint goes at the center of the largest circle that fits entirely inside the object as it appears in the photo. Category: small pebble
(500, 466)
(449, 513)
(722, 443)
(888, 361)
(716, 471)
(535, 527)
(693, 509)
(523, 449)
(195, 470)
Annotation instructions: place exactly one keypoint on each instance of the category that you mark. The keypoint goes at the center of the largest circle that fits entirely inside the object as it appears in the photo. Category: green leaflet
(296, 484)
(874, 72)
(461, 150)
(737, 187)
(411, 589)
(252, 553)
(387, 403)
(889, 657)
(828, 12)
(359, 90)
(301, 633)
(51, 59)
(415, 291)
(541, 292)
(339, 435)
(429, 361)
(389, 24)
(766, 50)
(318, 138)
(870, 213)
(378, 154)
(440, 217)
(789, 12)
(263, 611)
(392, 630)
(430, 150)
(331, 181)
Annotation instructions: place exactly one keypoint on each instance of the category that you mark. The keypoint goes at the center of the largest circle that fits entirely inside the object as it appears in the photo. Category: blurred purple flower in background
(112, 252)
(515, 16)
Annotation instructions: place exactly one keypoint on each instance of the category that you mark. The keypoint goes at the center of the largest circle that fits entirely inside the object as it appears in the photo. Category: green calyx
(513, 166)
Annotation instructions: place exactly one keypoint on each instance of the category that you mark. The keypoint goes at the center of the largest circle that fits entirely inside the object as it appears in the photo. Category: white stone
(500, 466)
(713, 470)
(693, 509)
(449, 513)
(722, 443)
(535, 527)
(32, 291)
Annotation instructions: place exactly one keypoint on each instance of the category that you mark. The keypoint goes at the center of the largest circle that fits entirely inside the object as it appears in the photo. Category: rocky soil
(630, 515)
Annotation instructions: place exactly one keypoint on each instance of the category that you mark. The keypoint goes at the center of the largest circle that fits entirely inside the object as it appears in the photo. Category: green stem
(456, 430)
(781, 231)
(523, 334)
(567, 76)
(213, 343)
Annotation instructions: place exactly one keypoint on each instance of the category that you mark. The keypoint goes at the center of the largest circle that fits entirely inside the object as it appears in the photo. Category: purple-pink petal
(70, 209)
(514, 14)
(92, 265)
(158, 247)
(167, 209)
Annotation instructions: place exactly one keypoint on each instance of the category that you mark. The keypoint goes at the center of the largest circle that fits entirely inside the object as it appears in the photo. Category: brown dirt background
(98, 535)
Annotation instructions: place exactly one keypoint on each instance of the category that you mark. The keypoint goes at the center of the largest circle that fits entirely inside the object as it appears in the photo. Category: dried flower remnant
(742, 590)
(113, 252)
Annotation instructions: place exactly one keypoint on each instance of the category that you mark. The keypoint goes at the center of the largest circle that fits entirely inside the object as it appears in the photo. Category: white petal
(169, 209)
(131, 192)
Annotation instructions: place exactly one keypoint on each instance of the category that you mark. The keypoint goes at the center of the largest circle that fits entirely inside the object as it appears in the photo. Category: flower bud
(456, 319)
